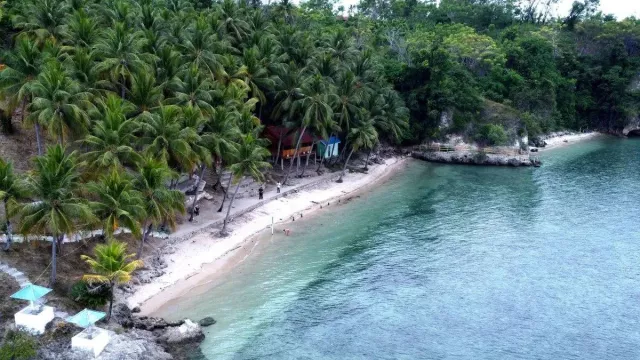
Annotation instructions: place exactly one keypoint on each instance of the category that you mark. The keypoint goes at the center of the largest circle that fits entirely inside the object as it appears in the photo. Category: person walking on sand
(278, 187)
(260, 192)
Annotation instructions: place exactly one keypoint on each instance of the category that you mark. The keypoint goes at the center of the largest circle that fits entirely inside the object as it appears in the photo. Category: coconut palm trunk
(203, 167)
(279, 148)
(226, 218)
(366, 164)
(7, 245)
(306, 162)
(344, 168)
(295, 154)
(38, 139)
(112, 287)
(225, 193)
(146, 229)
(54, 260)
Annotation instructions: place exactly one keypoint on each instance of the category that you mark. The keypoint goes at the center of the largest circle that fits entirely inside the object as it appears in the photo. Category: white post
(272, 225)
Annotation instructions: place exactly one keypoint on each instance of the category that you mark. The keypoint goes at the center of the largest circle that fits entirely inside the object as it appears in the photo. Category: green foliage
(17, 345)
(90, 296)
(492, 134)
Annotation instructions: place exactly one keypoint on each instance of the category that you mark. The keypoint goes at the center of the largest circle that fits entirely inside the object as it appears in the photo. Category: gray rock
(208, 321)
(187, 333)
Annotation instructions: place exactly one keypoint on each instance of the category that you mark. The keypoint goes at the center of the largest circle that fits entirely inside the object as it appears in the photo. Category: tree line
(125, 96)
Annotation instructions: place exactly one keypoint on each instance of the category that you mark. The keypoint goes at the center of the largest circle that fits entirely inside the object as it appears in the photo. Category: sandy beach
(192, 251)
(554, 142)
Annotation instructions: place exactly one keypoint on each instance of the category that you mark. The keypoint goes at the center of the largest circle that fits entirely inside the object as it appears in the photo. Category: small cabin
(329, 148)
(289, 140)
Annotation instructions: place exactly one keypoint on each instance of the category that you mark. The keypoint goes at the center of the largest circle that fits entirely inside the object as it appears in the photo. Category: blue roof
(332, 140)
(86, 318)
(31, 292)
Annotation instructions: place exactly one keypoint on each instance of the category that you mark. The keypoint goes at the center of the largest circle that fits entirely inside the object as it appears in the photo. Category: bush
(492, 134)
(17, 345)
(90, 296)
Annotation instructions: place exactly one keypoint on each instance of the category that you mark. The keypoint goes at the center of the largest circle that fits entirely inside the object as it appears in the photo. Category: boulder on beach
(187, 333)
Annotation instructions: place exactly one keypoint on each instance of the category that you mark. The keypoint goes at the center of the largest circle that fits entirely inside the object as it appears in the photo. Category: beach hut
(35, 317)
(92, 339)
(288, 143)
(329, 148)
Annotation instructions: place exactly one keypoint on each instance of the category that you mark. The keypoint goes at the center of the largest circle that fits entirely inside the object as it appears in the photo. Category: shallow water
(449, 262)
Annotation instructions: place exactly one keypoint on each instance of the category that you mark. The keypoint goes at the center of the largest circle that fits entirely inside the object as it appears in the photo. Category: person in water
(287, 231)
(260, 192)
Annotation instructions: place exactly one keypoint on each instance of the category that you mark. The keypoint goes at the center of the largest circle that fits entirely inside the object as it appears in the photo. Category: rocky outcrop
(187, 333)
(475, 158)
(634, 125)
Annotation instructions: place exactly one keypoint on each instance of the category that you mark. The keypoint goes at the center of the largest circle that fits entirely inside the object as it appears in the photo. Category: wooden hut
(288, 143)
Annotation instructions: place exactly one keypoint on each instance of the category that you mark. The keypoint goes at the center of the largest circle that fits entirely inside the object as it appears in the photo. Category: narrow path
(18, 276)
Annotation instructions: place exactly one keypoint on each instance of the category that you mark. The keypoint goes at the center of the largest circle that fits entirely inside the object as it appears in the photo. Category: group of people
(261, 190)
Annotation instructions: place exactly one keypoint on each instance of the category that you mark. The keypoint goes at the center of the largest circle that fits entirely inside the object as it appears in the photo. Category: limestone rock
(187, 333)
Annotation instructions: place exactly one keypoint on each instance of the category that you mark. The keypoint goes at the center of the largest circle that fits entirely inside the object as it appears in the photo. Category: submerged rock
(208, 321)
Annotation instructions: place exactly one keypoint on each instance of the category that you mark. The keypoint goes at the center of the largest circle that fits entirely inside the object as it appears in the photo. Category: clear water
(450, 262)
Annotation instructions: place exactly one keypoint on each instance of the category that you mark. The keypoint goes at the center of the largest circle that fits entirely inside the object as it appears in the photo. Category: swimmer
(287, 231)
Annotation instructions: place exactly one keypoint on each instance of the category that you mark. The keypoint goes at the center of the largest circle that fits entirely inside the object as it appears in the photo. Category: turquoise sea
(448, 262)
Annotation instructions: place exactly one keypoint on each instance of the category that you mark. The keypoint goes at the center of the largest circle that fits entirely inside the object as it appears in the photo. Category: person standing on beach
(260, 192)
(278, 187)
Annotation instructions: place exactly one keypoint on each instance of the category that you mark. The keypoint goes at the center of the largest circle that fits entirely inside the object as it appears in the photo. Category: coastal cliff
(475, 158)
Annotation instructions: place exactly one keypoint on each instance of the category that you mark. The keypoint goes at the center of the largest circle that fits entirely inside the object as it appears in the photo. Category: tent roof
(31, 292)
(332, 140)
(289, 138)
(86, 318)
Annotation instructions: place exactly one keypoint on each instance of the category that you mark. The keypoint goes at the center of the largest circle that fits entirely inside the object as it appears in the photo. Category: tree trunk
(344, 168)
(145, 233)
(111, 302)
(8, 224)
(226, 218)
(366, 164)
(53, 260)
(225, 193)
(306, 163)
(195, 197)
(284, 182)
(279, 147)
(38, 139)
(122, 88)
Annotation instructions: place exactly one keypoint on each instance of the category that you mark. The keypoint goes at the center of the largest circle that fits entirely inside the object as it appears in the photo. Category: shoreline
(202, 254)
(559, 141)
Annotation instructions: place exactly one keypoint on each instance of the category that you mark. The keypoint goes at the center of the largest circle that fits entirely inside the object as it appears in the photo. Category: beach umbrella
(31, 293)
(86, 318)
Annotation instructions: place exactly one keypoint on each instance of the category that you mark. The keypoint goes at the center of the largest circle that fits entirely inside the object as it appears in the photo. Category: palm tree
(111, 265)
(41, 19)
(255, 75)
(119, 54)
(145, 93)
(111, 141)
(11, 190)
(57, 209)
(194, 119)
(117, 203)
(58, 102)
(160, 203)
(364, 136)
(23, 66)
(201, 48)
(249, 162)
(314, 110)
(167, 138)
(193, 89)
(82, 31)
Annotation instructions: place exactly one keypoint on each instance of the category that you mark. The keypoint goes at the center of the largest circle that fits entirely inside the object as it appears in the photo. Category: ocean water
(449, 262)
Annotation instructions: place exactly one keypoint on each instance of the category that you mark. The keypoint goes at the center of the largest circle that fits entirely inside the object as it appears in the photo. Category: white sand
(191, 252)
(567, 139)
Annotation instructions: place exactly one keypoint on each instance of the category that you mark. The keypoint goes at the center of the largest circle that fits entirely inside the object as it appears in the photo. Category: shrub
(492, 134)
(88, 296)
(17, 345)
